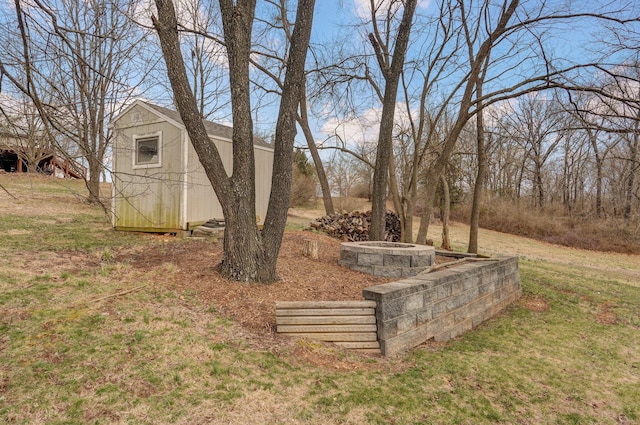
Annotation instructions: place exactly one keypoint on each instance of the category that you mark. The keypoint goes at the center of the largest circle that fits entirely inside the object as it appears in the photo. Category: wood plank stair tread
(325, 304)
(348, 324)
(363, 311)
(326, 328)
(334, 337)
(325, 320)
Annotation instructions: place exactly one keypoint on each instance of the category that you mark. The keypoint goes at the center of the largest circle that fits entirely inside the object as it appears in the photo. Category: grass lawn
(86, 339)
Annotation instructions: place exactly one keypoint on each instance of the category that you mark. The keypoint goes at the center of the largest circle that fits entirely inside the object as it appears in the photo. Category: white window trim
(136, 137)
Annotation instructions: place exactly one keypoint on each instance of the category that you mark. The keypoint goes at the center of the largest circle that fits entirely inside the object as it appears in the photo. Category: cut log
(310, 249)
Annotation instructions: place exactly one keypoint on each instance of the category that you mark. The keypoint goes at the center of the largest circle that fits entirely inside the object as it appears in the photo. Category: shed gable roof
(213, 129)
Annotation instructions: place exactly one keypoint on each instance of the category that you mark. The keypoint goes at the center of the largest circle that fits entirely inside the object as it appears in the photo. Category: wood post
(310, 249)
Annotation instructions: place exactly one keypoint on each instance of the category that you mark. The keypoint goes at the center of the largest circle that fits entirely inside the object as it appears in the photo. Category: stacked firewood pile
(354, 226)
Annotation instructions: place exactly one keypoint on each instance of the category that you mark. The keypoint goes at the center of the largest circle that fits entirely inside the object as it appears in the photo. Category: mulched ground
(253, 305)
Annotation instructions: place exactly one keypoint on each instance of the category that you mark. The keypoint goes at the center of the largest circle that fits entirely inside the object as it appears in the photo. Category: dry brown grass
(607, 234)
(176, 348)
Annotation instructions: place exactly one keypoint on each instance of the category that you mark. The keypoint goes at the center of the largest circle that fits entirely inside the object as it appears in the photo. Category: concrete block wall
(442, 304)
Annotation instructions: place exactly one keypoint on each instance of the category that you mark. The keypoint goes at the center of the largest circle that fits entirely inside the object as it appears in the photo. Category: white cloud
(357, 130)
(362, 8)
(363, 129)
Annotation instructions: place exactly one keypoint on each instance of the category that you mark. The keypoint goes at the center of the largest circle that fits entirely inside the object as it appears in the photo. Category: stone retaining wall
(442, 304)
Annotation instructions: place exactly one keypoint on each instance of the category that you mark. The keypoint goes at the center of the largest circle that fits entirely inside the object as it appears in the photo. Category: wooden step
(349, 324)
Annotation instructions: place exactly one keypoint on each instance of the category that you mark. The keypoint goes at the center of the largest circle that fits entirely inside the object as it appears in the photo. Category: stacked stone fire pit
(388, 259)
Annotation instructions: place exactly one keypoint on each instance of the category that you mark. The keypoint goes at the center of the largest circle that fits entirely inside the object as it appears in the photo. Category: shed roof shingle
(213, 129)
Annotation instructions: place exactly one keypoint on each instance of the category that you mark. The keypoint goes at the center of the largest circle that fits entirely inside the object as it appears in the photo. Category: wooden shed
(158, 182)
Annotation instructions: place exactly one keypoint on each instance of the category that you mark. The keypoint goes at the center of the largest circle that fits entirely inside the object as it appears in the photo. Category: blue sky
(566, 42)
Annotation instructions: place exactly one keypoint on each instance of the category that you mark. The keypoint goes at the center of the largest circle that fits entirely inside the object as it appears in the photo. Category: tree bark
(303, 120)
(385, 143)
(429, 194)
(478, 187)
(292, 90)
(634, 166)
(93, 182)
(397, 202)
(249, 255)
(599, 166)
(310, 249)
(444, 212)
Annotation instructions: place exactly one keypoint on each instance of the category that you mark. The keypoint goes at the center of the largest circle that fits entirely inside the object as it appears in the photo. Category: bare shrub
(361, 190)
(551, 225)
(303, 189)
(349, 203)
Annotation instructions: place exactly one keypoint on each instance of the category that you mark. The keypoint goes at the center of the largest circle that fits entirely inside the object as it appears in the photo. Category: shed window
(147, 151)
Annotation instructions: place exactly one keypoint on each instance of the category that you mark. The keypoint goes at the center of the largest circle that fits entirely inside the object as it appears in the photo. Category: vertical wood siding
(147, 198)
(178, 193)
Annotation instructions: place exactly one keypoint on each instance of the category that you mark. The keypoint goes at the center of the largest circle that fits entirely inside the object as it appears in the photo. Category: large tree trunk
(276, 218)
(93, 182)
(243, 255)
(428, 199)
(391, 72)
(381, 170)
(478, 191)
(397, 202)
(249, 255)
(408, 221)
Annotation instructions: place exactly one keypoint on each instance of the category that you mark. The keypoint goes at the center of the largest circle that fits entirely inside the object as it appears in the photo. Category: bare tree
(444, 212)
(249, 254)
(419, 129)
(622, 113)
(76, 60)
(391, 64)
(22, 124)
(269, 59)
(535, 122)
(344, 177)
(205, 59)
(478, 58)
(583, 108)
(479, 184)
